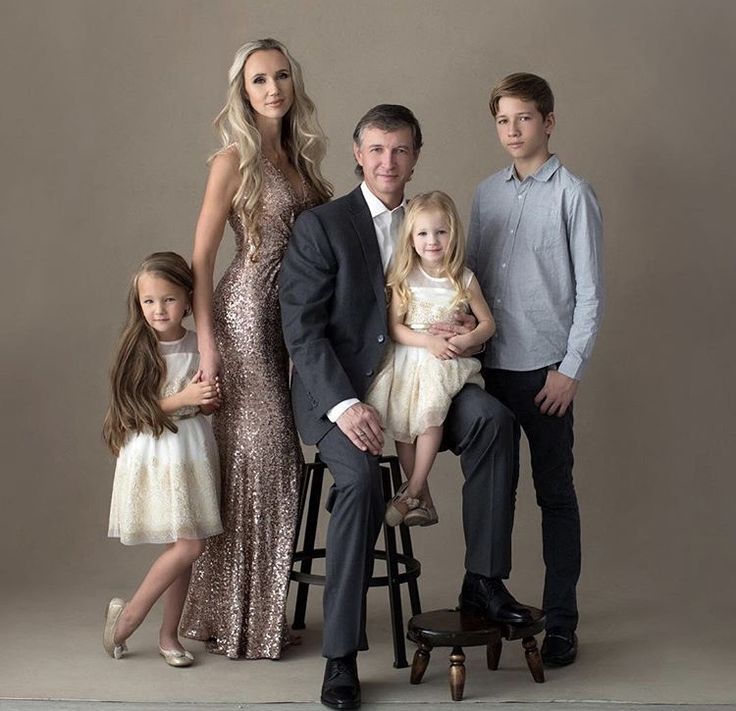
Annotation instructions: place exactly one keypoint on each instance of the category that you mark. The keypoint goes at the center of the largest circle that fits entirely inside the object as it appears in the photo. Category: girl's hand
(201, 392)
(460, 342)
(209, 364)
(441, 348)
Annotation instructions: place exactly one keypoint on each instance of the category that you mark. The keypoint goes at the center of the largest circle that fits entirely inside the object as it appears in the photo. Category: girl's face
(164, 305)
(431, 238)
(268, 83)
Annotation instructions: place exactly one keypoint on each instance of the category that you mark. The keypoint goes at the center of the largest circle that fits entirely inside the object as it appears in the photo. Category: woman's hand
(209, 364)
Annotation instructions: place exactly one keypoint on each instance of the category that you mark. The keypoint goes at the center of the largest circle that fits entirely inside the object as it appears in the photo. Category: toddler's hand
(201, 392)
(441, 348)
(460, 342)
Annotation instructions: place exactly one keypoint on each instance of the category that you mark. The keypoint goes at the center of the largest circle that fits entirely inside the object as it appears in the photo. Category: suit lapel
(363, 224)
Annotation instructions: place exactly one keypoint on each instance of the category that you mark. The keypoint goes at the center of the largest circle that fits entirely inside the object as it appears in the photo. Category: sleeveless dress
(413, 390)
(167, 487)
(237, 595)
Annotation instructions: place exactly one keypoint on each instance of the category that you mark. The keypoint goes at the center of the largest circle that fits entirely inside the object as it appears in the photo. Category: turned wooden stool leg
(493, 654)
(419, 664)
(457, 673)
(533, 659)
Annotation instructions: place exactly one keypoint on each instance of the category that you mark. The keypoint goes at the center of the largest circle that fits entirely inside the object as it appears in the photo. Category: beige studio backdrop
(106, 127)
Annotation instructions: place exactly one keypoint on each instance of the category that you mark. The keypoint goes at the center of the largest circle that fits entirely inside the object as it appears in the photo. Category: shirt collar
(544, 172)
(375, 206)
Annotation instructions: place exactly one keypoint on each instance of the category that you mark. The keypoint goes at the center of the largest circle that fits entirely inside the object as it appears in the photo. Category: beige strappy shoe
(394, 515)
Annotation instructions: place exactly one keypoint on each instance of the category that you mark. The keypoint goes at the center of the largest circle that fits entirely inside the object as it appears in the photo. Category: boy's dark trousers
(550, 445)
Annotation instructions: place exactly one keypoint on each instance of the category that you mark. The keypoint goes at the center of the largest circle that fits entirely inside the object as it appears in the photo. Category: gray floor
(632, 655)
(510, 706)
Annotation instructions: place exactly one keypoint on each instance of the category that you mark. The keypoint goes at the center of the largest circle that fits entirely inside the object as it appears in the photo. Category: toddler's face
(164, 305)
(431, 237)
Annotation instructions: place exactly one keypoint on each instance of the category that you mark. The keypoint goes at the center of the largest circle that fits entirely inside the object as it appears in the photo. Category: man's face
(388, 159)
(522, 130)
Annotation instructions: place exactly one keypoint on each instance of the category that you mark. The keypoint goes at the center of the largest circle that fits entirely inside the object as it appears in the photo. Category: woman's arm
(486, 326)
(438, 346)
(222, 185)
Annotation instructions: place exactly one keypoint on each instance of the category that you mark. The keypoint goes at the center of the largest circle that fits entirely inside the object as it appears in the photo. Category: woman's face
(268, 83)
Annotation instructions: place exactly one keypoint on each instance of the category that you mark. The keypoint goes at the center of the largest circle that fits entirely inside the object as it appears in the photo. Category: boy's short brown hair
(524, 86)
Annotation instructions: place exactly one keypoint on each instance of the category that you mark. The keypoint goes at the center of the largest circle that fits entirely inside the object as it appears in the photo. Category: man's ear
(549, 123)
(358, 153)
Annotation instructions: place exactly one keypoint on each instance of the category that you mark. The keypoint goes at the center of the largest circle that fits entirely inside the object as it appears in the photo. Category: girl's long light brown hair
(406, 258)
(302, 137)
(138, 370)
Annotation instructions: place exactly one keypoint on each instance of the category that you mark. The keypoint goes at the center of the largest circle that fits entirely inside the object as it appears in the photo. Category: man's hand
(362, 426)
(462, 323)
(557, 394)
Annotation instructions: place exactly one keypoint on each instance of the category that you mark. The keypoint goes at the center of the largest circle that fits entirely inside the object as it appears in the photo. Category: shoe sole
(559, 661)
(345, 705)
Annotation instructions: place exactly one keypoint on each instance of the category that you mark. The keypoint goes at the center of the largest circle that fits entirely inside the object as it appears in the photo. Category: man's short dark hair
(388, 117)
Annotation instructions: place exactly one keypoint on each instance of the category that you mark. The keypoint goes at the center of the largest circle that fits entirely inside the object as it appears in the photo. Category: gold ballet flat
(112, 616)
(175, 658)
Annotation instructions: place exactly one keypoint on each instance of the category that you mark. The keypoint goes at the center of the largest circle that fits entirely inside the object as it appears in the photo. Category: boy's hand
(441, 348)
(557, 394)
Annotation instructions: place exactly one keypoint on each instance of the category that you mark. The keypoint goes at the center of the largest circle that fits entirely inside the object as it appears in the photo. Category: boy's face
(522, 130)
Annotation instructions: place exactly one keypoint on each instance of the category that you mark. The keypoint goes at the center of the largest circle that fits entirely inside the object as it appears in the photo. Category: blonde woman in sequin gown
(266, 173)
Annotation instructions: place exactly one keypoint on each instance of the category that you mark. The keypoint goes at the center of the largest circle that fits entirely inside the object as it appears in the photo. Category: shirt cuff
(572, 367)
(334, 412)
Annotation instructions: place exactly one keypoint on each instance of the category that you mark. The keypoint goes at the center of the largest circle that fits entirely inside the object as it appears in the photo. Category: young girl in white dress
(413, 391)
(166, 487)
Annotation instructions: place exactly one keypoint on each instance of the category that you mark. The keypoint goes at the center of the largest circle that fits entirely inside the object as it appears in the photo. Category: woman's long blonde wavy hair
(138, 370)
(302, 137)
(406, 258)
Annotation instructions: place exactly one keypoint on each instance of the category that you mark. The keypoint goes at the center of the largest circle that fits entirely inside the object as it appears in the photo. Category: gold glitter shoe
(112, 616)
(422, 515)
(175, 658)
(394, 516)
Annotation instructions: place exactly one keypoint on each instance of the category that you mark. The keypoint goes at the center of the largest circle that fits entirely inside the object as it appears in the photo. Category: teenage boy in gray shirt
(534, 244)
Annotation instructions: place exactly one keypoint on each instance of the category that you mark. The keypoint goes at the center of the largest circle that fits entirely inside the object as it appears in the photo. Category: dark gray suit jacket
(333, 309)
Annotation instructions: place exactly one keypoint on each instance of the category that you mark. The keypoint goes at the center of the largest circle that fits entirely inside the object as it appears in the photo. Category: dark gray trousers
(551, 448)
(479, 429)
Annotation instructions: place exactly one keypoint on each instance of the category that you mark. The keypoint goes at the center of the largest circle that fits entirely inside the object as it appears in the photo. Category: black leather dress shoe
(490, 598)
(341, 688)
(560, 647)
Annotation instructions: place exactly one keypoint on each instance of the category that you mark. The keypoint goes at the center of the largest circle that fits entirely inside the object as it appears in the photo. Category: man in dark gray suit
(333, 304)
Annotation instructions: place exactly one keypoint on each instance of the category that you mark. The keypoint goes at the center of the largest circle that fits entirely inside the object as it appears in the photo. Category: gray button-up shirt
(536, 248)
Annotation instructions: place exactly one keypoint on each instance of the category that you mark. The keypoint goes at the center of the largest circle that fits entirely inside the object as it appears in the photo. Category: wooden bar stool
(453, 628)
(311, 495)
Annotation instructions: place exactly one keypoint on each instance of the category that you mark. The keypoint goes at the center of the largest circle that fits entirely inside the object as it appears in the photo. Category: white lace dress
(167, 487)
(413, 389)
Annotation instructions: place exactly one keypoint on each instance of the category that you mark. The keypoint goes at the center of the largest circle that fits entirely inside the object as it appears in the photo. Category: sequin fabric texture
(237, 595)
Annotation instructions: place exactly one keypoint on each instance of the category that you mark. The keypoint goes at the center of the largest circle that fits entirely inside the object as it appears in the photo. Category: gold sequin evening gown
(237, 596)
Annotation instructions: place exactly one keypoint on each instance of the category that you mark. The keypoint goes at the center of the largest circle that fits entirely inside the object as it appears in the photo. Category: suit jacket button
(381, 338)
(369, 373)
